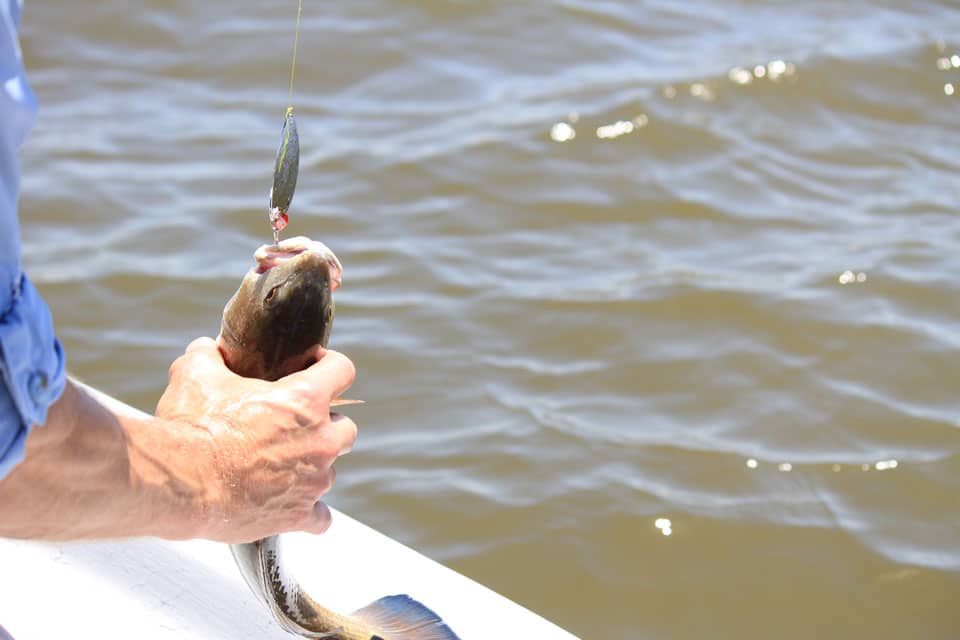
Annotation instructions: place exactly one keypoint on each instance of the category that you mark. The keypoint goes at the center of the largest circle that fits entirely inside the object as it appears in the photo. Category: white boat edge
(156, 589)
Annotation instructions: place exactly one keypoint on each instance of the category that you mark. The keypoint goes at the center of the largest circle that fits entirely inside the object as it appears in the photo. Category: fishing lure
(287, 165)
(285, 171)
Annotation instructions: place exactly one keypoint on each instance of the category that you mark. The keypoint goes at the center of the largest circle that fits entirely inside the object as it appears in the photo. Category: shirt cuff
(32, 371)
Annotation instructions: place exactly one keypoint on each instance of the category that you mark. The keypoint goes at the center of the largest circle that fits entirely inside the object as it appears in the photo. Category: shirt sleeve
(32, 372)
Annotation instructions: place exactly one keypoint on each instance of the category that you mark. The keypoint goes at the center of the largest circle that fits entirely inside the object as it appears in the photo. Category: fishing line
(293, 61)
(287, 165)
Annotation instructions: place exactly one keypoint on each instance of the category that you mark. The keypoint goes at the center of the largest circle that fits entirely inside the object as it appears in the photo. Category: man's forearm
(100, 469)
(225, 457)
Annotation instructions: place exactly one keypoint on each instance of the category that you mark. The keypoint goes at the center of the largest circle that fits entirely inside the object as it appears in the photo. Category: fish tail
(401, 617)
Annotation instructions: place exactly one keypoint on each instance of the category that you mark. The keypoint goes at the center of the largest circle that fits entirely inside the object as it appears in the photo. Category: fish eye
(272, 293)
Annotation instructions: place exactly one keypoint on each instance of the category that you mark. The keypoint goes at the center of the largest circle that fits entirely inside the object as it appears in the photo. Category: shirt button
(37, 385)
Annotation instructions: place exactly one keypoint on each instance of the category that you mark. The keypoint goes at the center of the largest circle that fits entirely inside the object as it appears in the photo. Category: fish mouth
(269, 256)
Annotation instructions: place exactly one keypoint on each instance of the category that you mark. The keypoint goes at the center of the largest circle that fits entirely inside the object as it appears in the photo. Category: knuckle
(343, 362)
(352, 429)
(290, 519)
(322, 482)
(350, 367)
(329, 479)
(303, 394)
(304, 518)
(200, 343)
(175, 367)
(327, 451)
(346, 431)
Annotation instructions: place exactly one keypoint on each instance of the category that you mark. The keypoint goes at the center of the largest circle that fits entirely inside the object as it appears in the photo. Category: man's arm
(225, 457)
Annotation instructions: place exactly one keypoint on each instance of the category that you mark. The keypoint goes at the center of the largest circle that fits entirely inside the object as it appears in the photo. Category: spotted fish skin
(281, 311)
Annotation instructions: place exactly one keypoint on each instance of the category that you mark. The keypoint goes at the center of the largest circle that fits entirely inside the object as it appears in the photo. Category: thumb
(201, 356)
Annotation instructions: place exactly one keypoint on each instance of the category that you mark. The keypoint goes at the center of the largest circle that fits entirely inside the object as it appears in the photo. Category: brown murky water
(655, 304)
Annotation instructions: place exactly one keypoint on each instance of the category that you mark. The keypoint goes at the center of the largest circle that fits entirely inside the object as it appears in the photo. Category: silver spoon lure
(285, 171)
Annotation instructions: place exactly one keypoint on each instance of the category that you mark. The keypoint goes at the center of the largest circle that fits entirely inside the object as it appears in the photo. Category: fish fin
(401, 617)
(339, 402)
(315, 635)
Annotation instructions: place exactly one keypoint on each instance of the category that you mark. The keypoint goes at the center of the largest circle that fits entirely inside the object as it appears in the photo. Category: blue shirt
(32, 374)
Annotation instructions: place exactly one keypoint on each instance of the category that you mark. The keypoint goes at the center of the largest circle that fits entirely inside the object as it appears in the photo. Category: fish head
(282, 309)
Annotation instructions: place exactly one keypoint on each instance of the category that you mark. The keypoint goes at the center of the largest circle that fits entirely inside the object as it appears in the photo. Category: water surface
(607, 265)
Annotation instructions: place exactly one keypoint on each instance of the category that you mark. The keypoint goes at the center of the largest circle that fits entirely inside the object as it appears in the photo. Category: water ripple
(602, 268)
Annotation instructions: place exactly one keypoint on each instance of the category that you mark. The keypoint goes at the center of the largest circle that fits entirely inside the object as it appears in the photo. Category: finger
(344, 433)
(328, 377)
(318, 520)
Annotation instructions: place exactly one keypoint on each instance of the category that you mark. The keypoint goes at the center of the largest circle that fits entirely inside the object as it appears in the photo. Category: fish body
(281, 311)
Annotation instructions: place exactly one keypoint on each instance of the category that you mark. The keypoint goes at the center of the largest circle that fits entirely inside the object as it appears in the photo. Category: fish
(284, 308)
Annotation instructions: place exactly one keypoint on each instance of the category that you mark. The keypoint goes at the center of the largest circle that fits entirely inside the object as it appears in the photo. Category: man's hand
(272, 444)
(225, 458)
